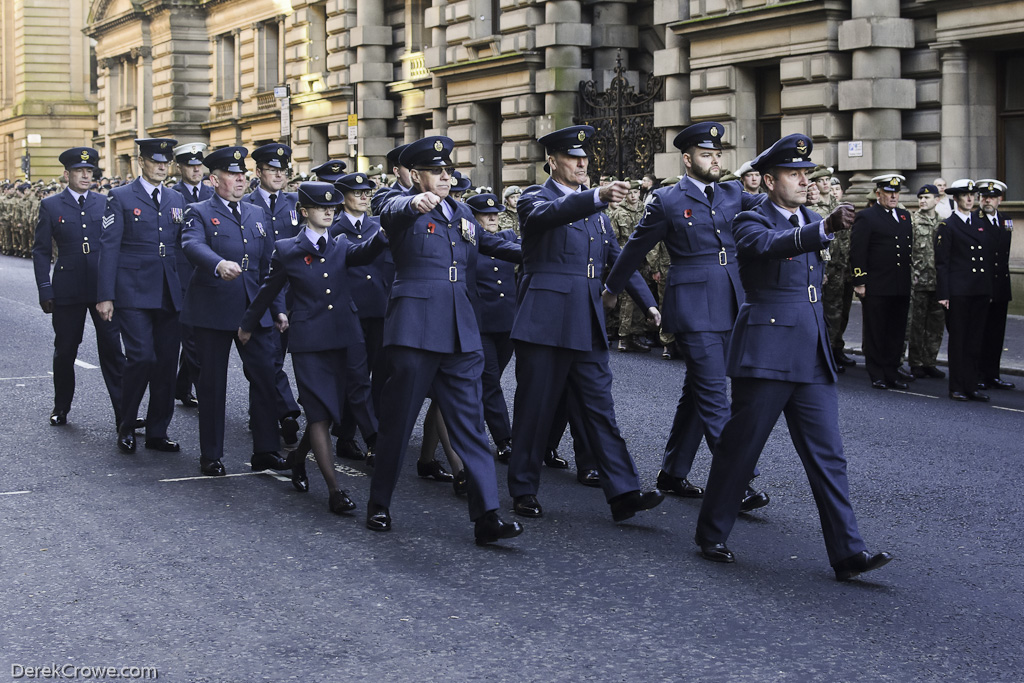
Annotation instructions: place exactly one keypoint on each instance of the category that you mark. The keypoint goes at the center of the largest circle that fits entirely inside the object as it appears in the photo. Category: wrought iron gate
(626, 139)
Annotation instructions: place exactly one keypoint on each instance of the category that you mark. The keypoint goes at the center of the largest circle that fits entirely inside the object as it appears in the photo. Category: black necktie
(234, 210)
(81, 201)
(273, 202)
(795, 221)
(156, 196)
(709, 191)
(321, 245)
(195, 193)
(358, 224)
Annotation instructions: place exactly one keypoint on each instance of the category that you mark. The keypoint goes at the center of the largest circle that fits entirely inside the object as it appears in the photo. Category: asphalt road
(114, 560)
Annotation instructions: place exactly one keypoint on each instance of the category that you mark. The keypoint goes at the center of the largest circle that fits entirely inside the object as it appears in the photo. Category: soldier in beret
(138, 272)
(73, 221)
(880, 254)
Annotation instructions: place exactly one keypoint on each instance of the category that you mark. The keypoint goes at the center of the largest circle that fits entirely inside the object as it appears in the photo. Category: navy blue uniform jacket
(284, 222)
(496, 290)
(76, 231)
(1000, 238)
(140, 247)
(323, 315)
(780, 329)
(211, 235)
(703, 288)
(370, 282)
(880, 251)
(431, 306)
(963, 258)
(567, 244)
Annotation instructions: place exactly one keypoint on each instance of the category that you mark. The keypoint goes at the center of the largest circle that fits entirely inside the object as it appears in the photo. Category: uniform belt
(577, 269)
(450, 274)
(787, 296)
(160, 249)
(719, 258)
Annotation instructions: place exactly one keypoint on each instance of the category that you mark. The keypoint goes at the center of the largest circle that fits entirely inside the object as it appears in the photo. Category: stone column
(673, 113)
(370, 74)
(956, 111)
(876, 94)
(143, 57)
(563, 37)
(613, 35)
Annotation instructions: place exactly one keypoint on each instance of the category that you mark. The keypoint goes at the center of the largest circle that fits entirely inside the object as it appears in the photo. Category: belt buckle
(722, 258)
(812, 294)
(591, 271)
(86, 248)
(162, 250)
(245, 263)
(453, 274)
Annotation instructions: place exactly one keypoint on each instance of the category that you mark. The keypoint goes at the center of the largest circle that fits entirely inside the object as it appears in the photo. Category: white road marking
(13, 379)
(83, 364)
(1015, 410)
(13, 493)
(912, 393)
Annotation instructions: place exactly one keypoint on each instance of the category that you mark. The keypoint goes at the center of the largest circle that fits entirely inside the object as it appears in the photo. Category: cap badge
(359, 178)
(991, 186)
(280, 151)
(195, 149)
(336, 168)
(237, 155)
(85, 156)
(714, 131)
(327, 196)
(490, 202)
(163, 145)
(801, 147)
(581, 136)
(438, 146)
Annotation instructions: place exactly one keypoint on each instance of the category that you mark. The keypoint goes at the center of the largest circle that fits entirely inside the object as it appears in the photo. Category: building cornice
(764, 16)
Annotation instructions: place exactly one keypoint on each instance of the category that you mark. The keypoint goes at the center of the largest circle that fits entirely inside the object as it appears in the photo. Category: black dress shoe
(981, 386)
(491, 528)
(716, 552)
(290, 430)
(753, 499)
(527, 506)
(860, 563)
(163, 444)
(958, 396)
(140, 423)
(503, 451)
(905, 374)
(840, 369)
(897, 384)
(126, 442)
(269, 460)
(996, 383)
(880, 384)
(638, 344)
(628, 504)
(58, 417)
(933, 372)
(679, 486)
(841, 357)
(554, 460)
(918, 372)
(339, 502)
(188, 400)
(300, 480)
(461, 483)
(433, 470)
(369, 457)
(589, 478)
(377, 517)
(349, 450)
(977, 396)
(212, 468)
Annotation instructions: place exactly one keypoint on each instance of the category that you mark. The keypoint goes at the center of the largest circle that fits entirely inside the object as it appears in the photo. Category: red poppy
(431, 227)
(215, 221)
(308, 260)
(903, 218)
(688, 214)
(137, 212)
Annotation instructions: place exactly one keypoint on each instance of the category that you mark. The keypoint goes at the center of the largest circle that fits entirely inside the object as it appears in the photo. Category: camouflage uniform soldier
(5, 220)
(927, 317)
(659, 261)
(837, 291)
(509, 218)
(632, 326)
(28, 223)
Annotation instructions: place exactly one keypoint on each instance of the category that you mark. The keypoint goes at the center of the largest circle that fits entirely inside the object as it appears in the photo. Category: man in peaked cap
(138, 273)
(190, 162)
(963, 284)
(403, 181)
(559, 328)
(880, 254)
(780, 361)
(460, 186)
(73, 221)
(282, 217)
(694, 218)
(927, 317)
(432, 335)
(230, 244)
(990, 195)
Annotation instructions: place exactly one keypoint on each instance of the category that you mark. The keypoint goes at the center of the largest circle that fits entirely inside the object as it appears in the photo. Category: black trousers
(885, 330)
(965, 324)
(992, 340)
(68, 328)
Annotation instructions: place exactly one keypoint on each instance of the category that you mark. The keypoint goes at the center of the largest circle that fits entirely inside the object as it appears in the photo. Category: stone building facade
(925, 87)
(47, 93)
